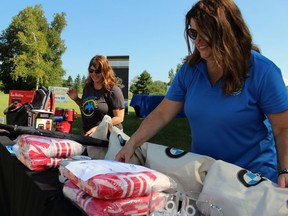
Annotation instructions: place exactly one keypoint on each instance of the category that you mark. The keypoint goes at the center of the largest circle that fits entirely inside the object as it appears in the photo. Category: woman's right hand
(72, 93)
(91, 131)
(126, 152)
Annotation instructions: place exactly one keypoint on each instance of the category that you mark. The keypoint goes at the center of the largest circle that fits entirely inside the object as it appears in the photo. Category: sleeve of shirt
(178, 88)
(273, 92)
(117, 98)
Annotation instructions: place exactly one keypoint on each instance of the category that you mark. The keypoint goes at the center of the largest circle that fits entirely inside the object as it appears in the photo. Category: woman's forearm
(78, 101)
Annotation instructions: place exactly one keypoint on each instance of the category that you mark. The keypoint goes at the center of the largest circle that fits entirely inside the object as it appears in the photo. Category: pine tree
(143, 84)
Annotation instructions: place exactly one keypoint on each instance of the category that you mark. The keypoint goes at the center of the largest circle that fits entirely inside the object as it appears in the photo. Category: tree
(171, 74)
(70, 82)
(133, 82)
(78, 84)
(143, 84)
(31, 50)
(83, 80)
(178, 67)
(159, 87)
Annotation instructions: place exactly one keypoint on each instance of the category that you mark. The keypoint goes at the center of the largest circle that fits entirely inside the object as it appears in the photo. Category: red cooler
(64, 126)
(59, 111)
(69, 115)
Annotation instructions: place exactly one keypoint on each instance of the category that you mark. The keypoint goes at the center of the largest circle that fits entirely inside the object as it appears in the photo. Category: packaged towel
(100, 207)
(41, 153)
(105, 179)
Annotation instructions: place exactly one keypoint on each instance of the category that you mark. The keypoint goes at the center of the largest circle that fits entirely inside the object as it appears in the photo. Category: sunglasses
(97, 71)
(192, 33)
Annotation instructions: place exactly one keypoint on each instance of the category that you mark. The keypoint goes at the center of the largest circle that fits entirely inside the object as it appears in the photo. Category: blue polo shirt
(233, 128)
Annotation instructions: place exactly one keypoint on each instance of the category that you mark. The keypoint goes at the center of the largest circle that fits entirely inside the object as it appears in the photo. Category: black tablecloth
(25, 192)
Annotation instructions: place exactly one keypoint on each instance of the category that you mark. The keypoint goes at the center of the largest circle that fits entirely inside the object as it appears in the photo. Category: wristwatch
(283, 171)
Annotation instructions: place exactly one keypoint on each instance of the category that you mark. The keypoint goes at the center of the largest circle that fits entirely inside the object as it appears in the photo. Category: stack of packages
(105, 187)
(41, 153)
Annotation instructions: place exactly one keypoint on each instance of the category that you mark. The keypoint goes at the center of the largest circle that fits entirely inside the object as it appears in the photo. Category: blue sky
(151, 32)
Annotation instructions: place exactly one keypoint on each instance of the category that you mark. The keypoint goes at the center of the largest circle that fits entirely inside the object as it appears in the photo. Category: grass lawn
(176, 134)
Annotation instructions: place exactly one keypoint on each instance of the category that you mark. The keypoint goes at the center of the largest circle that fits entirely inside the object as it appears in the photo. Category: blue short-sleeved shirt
(233, 128)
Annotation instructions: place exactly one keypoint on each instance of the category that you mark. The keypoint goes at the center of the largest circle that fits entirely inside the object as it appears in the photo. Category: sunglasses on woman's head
(97, 71)
(192, 33)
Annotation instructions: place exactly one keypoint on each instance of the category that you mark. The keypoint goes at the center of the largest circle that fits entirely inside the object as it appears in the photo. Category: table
(25, 192)
(143, 104)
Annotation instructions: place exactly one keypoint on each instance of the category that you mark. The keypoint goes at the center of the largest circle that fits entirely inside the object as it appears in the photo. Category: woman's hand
(125, 153)
(280, 130)
(154, 122)
(91, 131)
(73, 94)
(283, 180)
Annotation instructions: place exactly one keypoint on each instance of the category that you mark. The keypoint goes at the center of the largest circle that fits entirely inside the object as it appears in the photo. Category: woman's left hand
(91, 131)
(283, 180)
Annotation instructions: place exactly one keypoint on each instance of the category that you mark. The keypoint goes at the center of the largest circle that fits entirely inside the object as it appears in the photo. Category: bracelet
(283, 171)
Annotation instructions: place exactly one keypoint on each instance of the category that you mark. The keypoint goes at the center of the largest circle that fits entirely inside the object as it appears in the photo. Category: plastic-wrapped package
(48, 146)
(37, 163)
(41, 153)
(100, 207)
(105, 179)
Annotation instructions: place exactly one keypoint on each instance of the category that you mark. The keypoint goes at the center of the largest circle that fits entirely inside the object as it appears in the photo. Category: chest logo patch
(88, 107)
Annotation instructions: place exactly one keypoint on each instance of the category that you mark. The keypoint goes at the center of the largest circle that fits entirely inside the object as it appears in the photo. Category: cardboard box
(20, 96)
(40, 119)
(44, 124)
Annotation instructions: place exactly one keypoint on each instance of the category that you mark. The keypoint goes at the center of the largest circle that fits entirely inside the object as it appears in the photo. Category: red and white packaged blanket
(40, 153)
(48, 146)
(100, 207)
(104, 179)
(36, 163)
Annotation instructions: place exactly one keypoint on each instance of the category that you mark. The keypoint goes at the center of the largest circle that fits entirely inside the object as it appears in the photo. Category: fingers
(283, 181)
(91, 131)
(88, 134)
(71, 91)
(124, 155)
(120, 157)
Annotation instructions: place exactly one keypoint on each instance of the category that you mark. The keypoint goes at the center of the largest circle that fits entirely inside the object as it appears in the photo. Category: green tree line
(143, 84)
